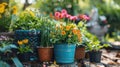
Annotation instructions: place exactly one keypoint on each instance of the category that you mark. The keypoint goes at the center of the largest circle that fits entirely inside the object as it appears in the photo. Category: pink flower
(71, 17)
(64, 11)
(75, 17)
(68, 16)
(57, 14)
(85, 17)
(63, 15)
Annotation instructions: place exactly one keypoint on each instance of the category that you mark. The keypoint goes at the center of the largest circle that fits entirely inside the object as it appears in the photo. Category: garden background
(10, 10)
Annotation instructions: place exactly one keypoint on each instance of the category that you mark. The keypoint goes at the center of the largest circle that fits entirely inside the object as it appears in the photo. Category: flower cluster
(66, 33)
(3, 9)
(64, 14)
(14, 11)
(6, 15)
(24, 46)
(83, 17)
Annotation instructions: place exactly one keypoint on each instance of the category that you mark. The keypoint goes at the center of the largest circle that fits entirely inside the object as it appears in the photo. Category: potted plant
(80, 52)
(45, 49)
(80, 48)
(24, 50)
(65, 37)
(94, 46)
(26, 26)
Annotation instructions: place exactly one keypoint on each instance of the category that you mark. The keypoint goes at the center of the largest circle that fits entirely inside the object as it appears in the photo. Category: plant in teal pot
(65, 37)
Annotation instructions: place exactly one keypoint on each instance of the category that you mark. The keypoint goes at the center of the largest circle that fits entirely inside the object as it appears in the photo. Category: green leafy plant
(46, 26)
(24, 46)
(26, 21)
(82, 26)
(93, 43)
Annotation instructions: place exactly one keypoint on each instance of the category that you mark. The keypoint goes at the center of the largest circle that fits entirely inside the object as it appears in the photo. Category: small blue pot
(64, 53)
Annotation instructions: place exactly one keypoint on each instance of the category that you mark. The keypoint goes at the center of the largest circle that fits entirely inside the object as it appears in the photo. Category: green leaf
(17, 62)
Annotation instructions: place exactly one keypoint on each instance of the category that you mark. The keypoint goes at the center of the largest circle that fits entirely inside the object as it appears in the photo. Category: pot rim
(44, 47)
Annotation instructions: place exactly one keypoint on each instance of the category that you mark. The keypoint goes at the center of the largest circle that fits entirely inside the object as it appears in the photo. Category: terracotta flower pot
(80, 53)
(45, 54)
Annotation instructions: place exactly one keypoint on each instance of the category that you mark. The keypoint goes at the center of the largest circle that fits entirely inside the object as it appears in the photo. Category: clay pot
(80, 53)
(45, 54)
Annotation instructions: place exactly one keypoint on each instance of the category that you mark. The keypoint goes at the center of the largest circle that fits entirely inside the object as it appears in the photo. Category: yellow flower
(4, 3)
(61, 27)
(74, 31)
(2, 8)
(32, 14)
(20, 42)
(68, 28)
(14, 9)
(63, 32)
(25, 41)
(73, 25)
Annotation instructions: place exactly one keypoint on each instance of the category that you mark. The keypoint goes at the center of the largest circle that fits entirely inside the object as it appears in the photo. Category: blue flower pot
(32, 35)
(64, 53)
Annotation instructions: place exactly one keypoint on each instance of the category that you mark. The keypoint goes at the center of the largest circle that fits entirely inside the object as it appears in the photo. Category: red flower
(84, 17)
(57, 14)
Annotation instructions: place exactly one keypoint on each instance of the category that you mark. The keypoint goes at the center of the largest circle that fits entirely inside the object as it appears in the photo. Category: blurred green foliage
(109, 8)
(49, 6)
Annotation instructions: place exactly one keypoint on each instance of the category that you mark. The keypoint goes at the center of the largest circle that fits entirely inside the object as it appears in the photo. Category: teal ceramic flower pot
(64, 53)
